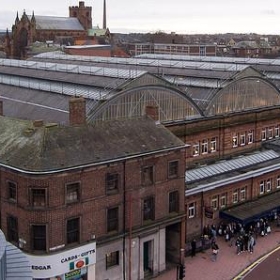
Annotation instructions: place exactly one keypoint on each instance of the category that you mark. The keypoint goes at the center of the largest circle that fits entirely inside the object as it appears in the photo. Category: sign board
(63, 262)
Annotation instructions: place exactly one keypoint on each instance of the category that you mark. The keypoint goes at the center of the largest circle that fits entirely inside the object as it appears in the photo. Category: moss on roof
(53, 148)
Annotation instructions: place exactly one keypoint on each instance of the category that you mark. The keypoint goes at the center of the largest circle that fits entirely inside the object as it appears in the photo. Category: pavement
(229, 265)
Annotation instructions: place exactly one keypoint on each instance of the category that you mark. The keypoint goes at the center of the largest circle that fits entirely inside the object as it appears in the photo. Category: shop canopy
(254, 210)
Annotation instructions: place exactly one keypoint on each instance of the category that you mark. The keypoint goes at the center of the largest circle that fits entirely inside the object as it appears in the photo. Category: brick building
(76, 203)
(31, 28)
(225, 112)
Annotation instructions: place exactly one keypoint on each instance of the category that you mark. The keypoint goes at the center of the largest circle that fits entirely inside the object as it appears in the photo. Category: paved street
(229, 264)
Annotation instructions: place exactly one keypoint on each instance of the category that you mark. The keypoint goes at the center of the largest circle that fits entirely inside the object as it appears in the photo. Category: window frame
(215, 202)
(68, 196)
(38, 200)
(223, 200)
(112, 182)
(262, 187)
(250, 137)
(173, 201)
(242, 139)
(235, 141)
(147, 175)
(263, 134)
(148, 216)
(204, 147)
(173, 169)
(276, 131)
(268, 185)
(112, 259)
(278, 182)
(191, 210)
(195, 149)
(243, 193)
(213, 145)
(235, 196)
(112, 220)
(73, 231)
(12, 188)
(39, 238)
(12, 229)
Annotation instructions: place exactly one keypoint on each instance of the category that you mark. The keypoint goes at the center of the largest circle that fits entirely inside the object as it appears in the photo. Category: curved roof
(243, 94)
(172, 104)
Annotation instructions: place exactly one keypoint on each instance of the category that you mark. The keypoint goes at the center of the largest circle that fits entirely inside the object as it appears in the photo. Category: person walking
(193, 245)
(238, 245)
(215, 251)
(251, 244)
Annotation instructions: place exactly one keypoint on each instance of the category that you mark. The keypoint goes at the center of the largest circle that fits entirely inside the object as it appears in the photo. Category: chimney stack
(104, 15)
(77, 111)
(152, 112)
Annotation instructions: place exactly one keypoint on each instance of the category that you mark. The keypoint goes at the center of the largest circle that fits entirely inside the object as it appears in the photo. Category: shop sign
(63, 262)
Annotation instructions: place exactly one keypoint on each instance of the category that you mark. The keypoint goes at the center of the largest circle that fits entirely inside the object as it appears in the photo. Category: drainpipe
(124, 219)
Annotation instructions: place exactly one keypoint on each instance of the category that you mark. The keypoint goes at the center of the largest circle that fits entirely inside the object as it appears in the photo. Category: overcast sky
(180, 16)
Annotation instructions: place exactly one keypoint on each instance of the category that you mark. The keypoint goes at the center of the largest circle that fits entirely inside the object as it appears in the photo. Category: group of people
(235, 234)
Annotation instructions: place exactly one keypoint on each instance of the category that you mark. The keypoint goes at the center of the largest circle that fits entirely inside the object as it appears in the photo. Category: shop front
(74, 264)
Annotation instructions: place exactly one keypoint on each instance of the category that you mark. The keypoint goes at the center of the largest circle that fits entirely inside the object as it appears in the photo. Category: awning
(253, 210)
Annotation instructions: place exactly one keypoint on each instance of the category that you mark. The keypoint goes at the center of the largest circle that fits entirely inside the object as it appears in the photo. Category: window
(270, 133)
(112, 219)
(112, 182)
(278, 181)
(213, 145)
(72, 192)
(191, 210)
(195, 150)
(39, 237)
(204, 147)
(112, 259)
(148, 175)
(38, 197)
(174, 201)
(148, 209)
(214, 202)
(223, 200)
(242, 140)
(235, 196)
(12, 224)
(261, 187)
(243, 194)
(268, 185)
(276, 131)
(73, 230)
(173, 168)
(234, 141)
(263, 134)
(12, 191)
(250, 137)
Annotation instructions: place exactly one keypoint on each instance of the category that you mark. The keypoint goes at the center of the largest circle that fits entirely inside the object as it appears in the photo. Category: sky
(179, 16)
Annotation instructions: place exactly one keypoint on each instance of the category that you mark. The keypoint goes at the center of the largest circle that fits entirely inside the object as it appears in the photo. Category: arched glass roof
(171, 103)
(243, 94)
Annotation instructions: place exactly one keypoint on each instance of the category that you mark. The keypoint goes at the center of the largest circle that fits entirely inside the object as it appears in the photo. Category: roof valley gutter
(92, 164)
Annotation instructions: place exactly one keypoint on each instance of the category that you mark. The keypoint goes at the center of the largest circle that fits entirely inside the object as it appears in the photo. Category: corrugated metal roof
(228, 166)
(57, 23)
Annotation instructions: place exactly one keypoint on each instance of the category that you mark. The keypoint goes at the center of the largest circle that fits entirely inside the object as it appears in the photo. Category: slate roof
(56, 148)
(57, 23)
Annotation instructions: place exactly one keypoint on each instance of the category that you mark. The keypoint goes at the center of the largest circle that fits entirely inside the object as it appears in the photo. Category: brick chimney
(1, 108)
(152, 112)
(77, 111)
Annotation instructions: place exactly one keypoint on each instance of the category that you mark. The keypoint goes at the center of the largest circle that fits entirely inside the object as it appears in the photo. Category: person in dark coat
(193, 245)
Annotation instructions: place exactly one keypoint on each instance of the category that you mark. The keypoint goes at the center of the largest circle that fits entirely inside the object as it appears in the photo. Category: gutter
(47, 172)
